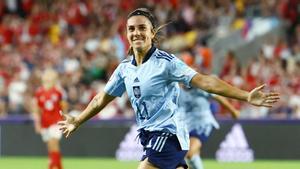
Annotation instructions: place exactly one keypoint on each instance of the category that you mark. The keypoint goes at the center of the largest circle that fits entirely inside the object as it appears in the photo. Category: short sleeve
(205, 94)
(115, 86)
(180, 72)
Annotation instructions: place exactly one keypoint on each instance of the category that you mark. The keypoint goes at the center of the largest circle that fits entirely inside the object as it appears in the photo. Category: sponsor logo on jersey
(136, 80)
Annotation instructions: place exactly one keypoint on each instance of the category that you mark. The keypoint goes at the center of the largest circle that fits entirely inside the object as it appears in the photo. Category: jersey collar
(146, 58)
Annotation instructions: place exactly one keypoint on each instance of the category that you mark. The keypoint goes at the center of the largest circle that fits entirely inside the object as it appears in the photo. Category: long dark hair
(156, 29)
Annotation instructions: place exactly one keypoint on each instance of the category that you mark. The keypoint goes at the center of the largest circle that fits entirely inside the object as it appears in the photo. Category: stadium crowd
(84, 40)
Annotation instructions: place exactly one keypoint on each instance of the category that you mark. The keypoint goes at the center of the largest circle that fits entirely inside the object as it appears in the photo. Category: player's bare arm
(223, 101)
(36, 115)
(70, 124)
(215, 85)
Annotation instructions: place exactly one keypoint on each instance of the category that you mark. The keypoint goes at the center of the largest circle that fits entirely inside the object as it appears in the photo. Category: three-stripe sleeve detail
(164, 55)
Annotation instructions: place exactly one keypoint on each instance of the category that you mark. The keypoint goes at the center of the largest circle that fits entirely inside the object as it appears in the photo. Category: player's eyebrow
(139, 25)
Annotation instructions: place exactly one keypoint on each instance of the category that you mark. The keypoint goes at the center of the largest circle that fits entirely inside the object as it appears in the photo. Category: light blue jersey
(194, 102)
(153, 91)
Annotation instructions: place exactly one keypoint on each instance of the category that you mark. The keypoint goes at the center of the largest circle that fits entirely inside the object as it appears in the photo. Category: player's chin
(138, 47)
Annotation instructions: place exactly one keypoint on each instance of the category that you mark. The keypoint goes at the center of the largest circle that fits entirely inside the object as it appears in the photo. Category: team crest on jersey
(137, 91)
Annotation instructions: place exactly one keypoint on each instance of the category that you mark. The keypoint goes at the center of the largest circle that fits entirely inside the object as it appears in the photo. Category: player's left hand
(259, 98)
(69, 125)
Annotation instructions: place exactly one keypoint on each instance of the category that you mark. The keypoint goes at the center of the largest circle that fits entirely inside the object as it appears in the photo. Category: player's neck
(139, 55)
(47, 87)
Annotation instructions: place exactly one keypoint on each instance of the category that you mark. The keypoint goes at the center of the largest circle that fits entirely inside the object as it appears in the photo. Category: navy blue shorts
(203, 136)
(162, 149)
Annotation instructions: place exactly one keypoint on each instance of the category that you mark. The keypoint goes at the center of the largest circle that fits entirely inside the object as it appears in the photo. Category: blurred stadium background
(245, 42)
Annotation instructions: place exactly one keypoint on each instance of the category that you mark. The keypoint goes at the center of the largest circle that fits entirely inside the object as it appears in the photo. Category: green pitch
(102, 163)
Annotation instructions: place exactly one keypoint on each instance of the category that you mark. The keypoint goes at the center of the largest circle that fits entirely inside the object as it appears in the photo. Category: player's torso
(195, 101)
(150, 91)
(153, 91)
(197, 108)
(145, 81)
(49, 100)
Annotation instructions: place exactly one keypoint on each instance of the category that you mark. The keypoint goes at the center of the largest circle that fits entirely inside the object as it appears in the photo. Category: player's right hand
(67, 126)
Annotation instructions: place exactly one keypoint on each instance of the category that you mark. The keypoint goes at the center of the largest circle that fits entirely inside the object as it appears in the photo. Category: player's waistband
(144, 135)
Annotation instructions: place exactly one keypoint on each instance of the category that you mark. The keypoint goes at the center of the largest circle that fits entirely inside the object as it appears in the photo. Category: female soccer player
(47, 104)
(200, 120)
(150, 76)
(199, 117)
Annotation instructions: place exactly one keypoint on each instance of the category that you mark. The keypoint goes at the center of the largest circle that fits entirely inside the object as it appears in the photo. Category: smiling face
(139, 33)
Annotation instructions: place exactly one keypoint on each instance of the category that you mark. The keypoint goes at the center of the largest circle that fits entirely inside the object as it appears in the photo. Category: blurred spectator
(294, 103)
(3, 99)
(16, 93)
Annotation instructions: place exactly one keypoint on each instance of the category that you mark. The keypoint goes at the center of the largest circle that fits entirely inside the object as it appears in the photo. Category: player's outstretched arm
(215, 85)
(223, 101)
(70, 124)
(36, 115)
